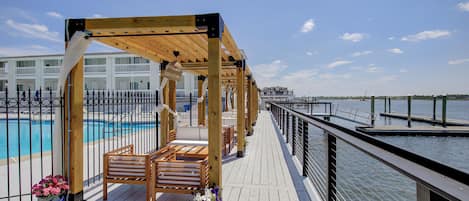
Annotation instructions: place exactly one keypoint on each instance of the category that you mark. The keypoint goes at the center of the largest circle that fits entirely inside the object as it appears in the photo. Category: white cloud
(403, 70)
(34, 31)
(458, 61)
(309, 53)
(362, 53)
(391, 38)
(388, 78)
(464, 6)
(270, 70)
(395, 51)
(426, 35)
(55, 14)
(25, 51)
(372, 69)
(300, 75)
(354, 37)
(328, 76)
(338, 63)
(308, 26)
(96, 15)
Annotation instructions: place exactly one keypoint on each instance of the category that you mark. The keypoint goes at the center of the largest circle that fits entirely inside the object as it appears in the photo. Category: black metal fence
(26, 140)
(343, 164)
(113, 119)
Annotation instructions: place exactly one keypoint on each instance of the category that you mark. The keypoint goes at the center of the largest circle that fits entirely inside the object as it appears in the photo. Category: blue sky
(315, 47)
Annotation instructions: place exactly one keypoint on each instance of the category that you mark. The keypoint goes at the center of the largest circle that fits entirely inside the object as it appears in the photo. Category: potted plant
(210, 194)
(51, 188)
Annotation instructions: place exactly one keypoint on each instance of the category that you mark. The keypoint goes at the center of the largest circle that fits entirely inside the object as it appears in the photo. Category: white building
(276, 94)
(114, 71)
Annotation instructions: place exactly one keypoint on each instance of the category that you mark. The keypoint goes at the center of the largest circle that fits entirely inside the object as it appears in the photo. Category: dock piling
(443, 111)
(389, 104)
(434, 108)
(409, 111)
(385, 104)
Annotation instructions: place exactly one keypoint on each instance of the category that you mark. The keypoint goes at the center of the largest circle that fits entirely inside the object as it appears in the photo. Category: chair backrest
(185, 174)
(126, 166)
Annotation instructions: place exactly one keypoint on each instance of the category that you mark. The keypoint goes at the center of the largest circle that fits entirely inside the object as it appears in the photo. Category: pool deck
(263, 174)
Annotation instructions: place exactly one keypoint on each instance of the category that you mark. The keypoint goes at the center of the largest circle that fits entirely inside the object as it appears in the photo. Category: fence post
(190, 109)
(294, 129)
(373, 111)
(443, 111)
(331, 167)
(305, 147)
(409, 111)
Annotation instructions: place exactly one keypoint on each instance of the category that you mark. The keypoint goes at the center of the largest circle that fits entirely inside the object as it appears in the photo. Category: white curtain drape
(74, 51)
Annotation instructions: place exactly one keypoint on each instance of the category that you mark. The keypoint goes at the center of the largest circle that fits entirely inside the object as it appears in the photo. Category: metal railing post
(331, 167)
(373, 111)
(434, 108)
(305, 147)
(294, 129)
(443, 111)
(409, 111)
(288, 126)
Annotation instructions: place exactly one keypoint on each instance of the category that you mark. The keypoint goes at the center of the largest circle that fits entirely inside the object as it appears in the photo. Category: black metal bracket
(163, 65)
(72, 26)
(213, 22)
(249, 77)
(241, 64)
(201, 77)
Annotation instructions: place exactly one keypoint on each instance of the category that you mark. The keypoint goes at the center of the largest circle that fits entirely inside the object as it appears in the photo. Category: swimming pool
(92, 131)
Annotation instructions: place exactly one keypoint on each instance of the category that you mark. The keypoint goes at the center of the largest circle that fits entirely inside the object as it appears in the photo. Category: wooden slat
(131, 48)
(142, 25)
(230, 44)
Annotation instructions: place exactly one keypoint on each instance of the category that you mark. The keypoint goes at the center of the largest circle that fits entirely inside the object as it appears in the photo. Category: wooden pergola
(202, 44)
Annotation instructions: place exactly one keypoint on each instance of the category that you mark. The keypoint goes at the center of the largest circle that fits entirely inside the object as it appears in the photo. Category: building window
(95, 83)
(95, 61)
(131, 60)
(26, 63)
(3, 64)
(132, 83)
(25, 84)
(3, 85)
(52, 62)
(50, 84)
(180, 83)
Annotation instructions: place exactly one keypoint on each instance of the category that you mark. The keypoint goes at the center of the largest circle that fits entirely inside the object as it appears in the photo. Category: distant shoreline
(414, 97)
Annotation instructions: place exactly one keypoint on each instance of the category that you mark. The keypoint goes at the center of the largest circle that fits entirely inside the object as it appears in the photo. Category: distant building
(113, 71)
(276, 94)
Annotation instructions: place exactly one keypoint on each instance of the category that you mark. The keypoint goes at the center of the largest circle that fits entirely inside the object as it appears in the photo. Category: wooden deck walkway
(263, 174)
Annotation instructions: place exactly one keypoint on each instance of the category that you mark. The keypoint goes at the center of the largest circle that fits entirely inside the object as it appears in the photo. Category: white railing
(51, 70)
(126, 68)
(95, 69)
(25, 70)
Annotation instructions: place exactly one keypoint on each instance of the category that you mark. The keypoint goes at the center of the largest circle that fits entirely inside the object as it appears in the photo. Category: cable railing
(344, 164)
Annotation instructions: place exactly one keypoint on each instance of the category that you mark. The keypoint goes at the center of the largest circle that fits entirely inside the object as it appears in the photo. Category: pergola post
(172, 102)
(164, 128)
(249, 105)
(215, 28)
(200, 106)
(73, 129)
(232, 98)
(226, 99)
(254, 103)
(240, 105)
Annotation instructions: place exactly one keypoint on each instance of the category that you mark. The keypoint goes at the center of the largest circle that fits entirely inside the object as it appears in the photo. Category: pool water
(92, 131)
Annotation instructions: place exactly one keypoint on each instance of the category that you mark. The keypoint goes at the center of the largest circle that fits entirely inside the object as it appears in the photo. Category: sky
(316, 48)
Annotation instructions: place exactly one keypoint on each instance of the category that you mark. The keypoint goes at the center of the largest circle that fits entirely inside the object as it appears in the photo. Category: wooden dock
(396, 130)
(449, 122)
(263, 174)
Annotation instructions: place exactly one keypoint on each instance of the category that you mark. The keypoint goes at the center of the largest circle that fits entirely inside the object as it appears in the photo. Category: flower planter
(52, 198)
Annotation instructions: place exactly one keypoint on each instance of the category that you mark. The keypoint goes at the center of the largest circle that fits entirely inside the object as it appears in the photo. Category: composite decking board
(263, 173)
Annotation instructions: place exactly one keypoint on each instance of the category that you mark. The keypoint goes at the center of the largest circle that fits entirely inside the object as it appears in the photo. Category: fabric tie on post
(76, 47)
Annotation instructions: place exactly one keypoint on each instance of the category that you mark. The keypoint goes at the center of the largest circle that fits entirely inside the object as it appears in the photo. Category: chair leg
(104, 189)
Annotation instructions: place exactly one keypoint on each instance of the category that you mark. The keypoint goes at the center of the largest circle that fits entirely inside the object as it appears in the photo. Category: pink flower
(55, 191)
(45, 192)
